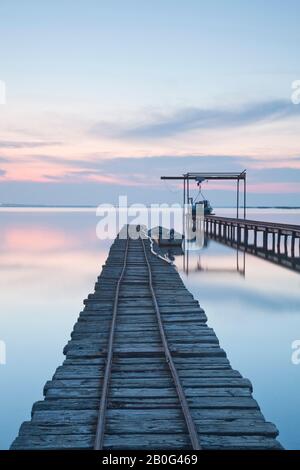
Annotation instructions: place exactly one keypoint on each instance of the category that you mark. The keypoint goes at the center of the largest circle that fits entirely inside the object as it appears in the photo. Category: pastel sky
(104, 96)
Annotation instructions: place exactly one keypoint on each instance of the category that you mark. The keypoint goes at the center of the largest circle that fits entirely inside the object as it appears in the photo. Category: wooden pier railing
(239, 230)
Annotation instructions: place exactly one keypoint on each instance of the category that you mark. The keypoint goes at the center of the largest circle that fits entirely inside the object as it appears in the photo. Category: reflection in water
(283, 259)
(49, 263)
(237, 263)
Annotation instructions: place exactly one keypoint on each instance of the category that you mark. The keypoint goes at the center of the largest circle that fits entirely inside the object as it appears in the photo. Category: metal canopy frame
(213, 176)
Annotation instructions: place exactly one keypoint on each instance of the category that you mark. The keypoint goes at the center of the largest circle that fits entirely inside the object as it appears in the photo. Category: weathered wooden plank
(69, 412)
(145, 442)
(199, 363)
(194, 401)
(95, 372)
(148, 441)
(54, 442)
(165, 423)
(87, 347)
(152, 382)
(207, 427)
(138, 393)
(220, 404)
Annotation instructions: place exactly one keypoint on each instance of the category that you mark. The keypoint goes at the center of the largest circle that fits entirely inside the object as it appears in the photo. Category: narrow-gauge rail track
(140, 256)
(144, 371)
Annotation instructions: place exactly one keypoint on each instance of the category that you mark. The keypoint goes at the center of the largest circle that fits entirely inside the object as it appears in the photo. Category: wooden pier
(280, 239)
(144, 371)
(279, 243)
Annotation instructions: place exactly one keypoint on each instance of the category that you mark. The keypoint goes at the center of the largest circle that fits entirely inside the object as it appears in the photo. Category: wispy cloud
(2, 172)
(187, 119)
(147, 167)
(16, 144)
(134, 170)
(87, 163)
(150, 169)
(83, 176)
(144, 172)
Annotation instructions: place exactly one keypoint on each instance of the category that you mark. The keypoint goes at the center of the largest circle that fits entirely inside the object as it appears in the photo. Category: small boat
(207, 208)
(165, 237)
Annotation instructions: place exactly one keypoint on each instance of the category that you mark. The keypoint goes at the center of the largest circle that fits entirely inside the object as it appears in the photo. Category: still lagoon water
(49, 261)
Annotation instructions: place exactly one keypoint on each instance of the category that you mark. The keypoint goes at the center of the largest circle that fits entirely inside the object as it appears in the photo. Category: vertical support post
(278, 241)
(246, 235)
(293, 245)
(285, 244)
(183, 213)
(238, 228)
(265, 243)
(245, 195)
(273, 241)
(187, 262)
(244, 263)
(255, 237)
(237, 197)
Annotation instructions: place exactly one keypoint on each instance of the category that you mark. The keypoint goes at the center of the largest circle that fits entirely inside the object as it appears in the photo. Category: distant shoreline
(67, 206)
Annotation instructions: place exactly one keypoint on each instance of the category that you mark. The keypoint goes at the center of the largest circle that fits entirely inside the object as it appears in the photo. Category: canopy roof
(208, 176)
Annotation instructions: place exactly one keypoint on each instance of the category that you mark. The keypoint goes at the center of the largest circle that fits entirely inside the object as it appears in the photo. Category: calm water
(49, 263)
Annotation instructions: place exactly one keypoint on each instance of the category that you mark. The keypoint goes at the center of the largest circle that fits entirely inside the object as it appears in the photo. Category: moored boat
(165, 237)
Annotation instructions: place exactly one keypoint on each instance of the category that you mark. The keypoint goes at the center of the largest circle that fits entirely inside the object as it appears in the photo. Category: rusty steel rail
(108, 366)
